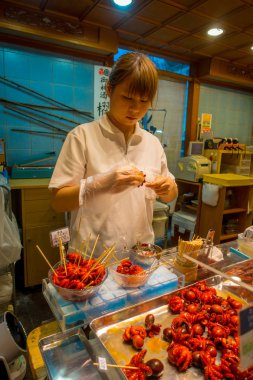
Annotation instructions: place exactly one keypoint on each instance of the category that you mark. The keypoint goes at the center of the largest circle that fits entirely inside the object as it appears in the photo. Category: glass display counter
(110, 297)
(220, 257)
(73, 350)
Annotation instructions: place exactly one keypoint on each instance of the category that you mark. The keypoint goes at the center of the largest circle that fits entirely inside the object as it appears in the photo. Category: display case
(105, 338)
(218, 258)
(110, 297)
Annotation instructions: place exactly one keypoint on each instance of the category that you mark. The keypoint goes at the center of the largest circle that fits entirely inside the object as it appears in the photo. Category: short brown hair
(141, 70)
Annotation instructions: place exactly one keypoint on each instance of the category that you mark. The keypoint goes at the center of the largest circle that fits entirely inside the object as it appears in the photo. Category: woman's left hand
(162, 185)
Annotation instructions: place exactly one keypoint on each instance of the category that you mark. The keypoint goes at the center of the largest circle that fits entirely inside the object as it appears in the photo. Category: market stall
(110, 335)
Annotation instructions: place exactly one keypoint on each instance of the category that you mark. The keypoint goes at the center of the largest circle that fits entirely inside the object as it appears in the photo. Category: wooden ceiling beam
(89, 9)
(151, 50)
(134, 11)
(18, 41)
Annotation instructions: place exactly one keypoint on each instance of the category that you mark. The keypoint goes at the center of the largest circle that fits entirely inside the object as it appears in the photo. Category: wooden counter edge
(29, 183)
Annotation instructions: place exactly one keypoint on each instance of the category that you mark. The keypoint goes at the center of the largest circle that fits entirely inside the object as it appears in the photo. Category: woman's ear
(108, 89)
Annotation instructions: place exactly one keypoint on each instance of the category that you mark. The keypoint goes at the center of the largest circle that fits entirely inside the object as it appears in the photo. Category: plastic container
(160, 219)
(245, 245)
(76, 295)
(159, 225)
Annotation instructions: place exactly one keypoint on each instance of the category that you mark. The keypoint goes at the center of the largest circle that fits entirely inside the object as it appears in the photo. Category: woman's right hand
(125, 177)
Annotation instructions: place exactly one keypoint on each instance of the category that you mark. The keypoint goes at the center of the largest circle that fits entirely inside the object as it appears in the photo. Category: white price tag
(246, 337)
(61, 233)
(102, 363)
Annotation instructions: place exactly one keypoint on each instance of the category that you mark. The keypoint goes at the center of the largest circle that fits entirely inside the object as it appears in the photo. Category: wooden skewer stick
(105, 264)
(94, 266)
(82, 246)
(89, 285)
(93, 249)
(118, 366)
(87, 246)
(152, 268)
(44, 257)
(107, 254)
(81, 256)
(61, 248)
(116, 262)
(97, 262)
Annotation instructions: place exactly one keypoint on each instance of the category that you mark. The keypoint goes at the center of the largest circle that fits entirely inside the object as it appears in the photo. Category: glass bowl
(127, 280)
(146, 252)
(76, 295)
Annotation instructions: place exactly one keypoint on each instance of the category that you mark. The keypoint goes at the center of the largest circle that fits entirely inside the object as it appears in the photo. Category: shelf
(191, 207)
(236, 210)
(193, 183)
(228, 237)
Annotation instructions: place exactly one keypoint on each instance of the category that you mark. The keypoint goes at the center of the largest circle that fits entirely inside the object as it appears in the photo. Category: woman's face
(126, 110)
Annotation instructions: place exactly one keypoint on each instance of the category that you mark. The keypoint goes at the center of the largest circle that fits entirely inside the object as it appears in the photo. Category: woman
(110, 171)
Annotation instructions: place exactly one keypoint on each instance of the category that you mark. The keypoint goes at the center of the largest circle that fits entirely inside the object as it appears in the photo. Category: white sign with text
(101, 100)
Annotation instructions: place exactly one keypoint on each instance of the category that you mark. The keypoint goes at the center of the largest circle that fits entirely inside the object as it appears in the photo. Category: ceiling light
(252, 47)
(215, 31)
(122, 3)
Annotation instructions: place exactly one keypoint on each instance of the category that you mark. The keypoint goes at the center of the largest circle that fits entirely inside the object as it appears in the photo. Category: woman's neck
(127, 132)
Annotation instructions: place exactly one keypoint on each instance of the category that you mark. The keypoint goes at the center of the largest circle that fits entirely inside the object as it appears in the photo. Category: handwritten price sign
(60, 234)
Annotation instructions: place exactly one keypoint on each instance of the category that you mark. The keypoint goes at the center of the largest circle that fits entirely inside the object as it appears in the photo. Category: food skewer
(93, 249)
(82, 248)
(95, 265)
(118, 366)
(62, 255)
(87, 246)
(44, 257)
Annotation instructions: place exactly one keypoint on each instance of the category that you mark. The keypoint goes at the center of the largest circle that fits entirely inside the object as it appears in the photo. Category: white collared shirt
(121, 218)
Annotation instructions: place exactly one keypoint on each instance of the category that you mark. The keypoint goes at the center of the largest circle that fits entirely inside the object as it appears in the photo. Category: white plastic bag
(210, 194)
(10, 245)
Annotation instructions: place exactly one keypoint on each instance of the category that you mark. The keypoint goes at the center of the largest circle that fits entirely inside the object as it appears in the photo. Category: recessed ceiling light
(122, 3)
(252, 47)
(215, 31)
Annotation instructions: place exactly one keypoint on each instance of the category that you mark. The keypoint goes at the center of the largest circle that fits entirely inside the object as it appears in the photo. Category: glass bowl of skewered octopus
(130, 274)
(78, 278)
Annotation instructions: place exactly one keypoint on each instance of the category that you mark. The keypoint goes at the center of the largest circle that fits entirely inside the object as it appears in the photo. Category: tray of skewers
(191, 333)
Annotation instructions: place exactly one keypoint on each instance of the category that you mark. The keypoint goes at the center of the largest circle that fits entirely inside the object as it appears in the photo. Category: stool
(36, 361)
